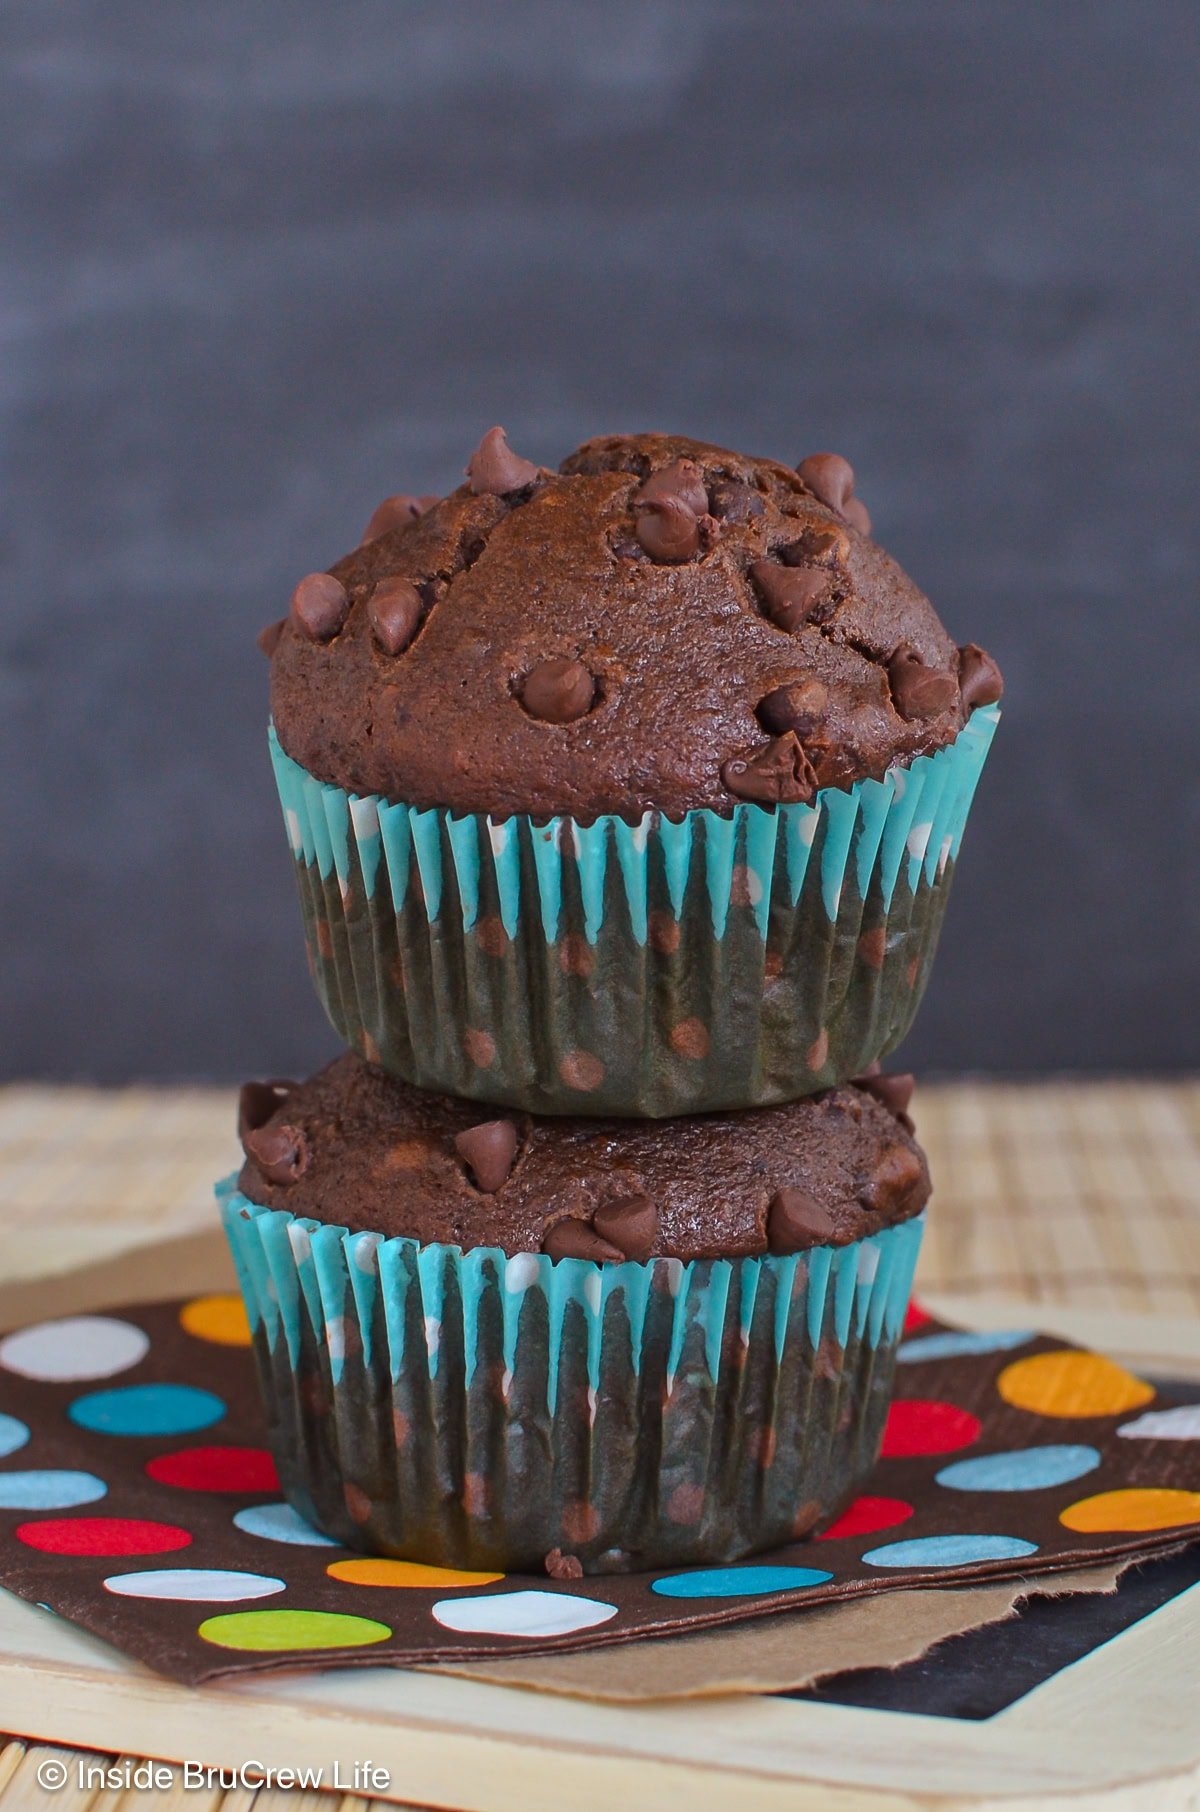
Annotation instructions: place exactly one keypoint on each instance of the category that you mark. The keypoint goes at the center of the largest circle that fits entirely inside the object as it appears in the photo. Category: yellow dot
(221, 1319)
(1071, 1384)
(260, 1631)
(1132, 1510)
(405, 1573)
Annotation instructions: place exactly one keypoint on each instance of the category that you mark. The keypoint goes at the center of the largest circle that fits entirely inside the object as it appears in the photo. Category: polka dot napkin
(138, 1499)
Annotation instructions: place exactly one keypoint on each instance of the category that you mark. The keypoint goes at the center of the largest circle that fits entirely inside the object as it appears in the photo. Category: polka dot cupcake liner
(643, 969)
(480, 1411)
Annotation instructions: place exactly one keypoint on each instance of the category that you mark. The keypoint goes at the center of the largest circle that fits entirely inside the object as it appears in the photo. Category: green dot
(260, 1631)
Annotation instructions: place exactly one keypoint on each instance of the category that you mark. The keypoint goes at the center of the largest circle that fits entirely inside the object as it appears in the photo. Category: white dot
(365, 814)
(13, 1434)
(194, 1585)
(433, 1334)
(868, 1264)
(497, 836)
(81, 1346)
(366, 1246)
(279, 1522)
(299, 1241)
(528, 1614)
(918, 840)
(807, 827)
(335, 1336)
(520, 1271)
(592, 1289)
(295, 837)
(1181, 1424)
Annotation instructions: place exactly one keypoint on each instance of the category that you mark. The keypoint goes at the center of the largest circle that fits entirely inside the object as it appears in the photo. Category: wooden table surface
(1080, 1195)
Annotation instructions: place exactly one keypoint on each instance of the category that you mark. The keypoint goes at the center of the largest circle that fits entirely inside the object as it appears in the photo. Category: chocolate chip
(820, 543)
(667, 528)
(796, 1221)
(831, 478)
(396, 512)
(799, 705)
(682, 479)
(489, 1150)
(778, 773)
(631, 1225)
(576, 1239)
(918, 690)
(558, 691)
(895, 1092)
(394, 612)
(898, 1178)
(257, 1101)
(320, 606)
(268, 639)
(494, 470)
(563, 1566)
(788, 594)
(281, 1152)
(730, 501)
(980, 681)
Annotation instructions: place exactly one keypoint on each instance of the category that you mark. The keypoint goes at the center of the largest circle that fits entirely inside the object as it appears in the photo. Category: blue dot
(949, 1551)
(147, 1409)
(279, 1522)
(738, 1582)
(960, 1345)
(49, 1490)
(1025, 1469)
(13, 1434)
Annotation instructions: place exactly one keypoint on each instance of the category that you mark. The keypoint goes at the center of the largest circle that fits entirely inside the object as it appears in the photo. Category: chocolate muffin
(661, 756)
(488, 1340)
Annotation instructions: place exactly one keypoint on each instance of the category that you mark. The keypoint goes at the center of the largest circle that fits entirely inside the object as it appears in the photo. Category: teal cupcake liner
(647, 969)
(474, 1410)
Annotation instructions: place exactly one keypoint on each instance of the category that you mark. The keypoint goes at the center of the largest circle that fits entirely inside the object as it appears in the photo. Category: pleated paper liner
(138, 1500)
(650, 969)
(478, 1411)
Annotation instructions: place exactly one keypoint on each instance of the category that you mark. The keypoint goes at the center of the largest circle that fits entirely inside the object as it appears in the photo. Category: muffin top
(660, 624)
(356, 1148)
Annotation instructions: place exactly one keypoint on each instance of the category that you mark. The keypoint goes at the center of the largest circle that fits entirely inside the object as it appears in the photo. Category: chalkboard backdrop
(266, 263)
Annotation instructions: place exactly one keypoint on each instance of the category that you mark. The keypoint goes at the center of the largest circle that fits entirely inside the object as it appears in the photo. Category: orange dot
(221, 1319)
(405, 1574)
(1071, 1384)
(1132, 1510)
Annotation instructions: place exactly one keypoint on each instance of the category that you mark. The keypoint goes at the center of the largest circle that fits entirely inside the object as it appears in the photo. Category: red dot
(216, 1469)
(102, 1535)
(915, 1317)
(865, 1515)
(916, 1426)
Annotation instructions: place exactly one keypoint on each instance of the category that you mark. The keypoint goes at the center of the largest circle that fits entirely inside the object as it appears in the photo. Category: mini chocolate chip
(667, 528)
(631, 1225)
(394, 611)
(494, 470)
(898, 1176)
(730, 501)
(320, 606)
(778, 773)
(268, 639)
(980, 681)
(788, 593)
(831, 478)
(396, 512)
(918, 690)
(281, 1152)
(563, 1566)
(820, 543)
(576, 1239)
(894, 1091)
(257, 1101)
(558, 691)
(489, 1150)
(799, 705)
(796, 1221)
(682, 479)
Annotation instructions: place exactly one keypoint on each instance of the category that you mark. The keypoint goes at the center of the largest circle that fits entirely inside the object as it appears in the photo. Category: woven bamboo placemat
(1080, 1195)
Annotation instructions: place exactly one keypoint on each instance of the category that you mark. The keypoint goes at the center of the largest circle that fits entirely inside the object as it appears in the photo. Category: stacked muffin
(624, 800)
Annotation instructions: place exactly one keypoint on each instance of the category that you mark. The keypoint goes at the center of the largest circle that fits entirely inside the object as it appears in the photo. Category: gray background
(266, 263)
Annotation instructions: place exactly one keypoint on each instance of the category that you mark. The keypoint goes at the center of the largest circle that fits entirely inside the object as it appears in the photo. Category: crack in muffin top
(661, 625)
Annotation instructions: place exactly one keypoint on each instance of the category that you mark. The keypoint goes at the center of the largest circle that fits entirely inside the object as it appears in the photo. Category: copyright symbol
(52, 1774)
